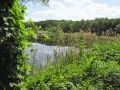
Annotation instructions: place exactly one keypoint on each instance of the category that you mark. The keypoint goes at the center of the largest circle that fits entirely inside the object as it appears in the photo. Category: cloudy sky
(73, 10)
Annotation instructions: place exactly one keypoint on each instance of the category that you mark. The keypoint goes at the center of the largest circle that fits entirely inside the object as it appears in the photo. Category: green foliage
(118, 25)
(13, 41)
(100, 26)
(54, 35)
(95, 69)
(14, 38)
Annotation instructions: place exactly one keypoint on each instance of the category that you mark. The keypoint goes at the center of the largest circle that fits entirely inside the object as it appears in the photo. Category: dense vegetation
(52, 32)
(97, 68)
(63, 32)
(100, 26)
(13, 41)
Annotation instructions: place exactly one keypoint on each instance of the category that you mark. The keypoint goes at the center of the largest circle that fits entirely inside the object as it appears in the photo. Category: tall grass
(73, 39)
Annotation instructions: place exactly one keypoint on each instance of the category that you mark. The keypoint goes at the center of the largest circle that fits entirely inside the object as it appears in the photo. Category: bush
(54, 34)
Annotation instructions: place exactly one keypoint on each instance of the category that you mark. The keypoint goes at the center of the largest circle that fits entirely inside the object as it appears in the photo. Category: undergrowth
(97, 68)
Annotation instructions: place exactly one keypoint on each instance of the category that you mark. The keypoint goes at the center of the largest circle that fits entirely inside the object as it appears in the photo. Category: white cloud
(72, 10)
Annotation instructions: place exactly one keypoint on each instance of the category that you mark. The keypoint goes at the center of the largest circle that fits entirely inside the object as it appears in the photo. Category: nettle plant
(13, 41)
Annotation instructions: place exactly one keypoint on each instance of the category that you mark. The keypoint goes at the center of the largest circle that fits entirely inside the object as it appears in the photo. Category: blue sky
(73, 10)
(109, 2)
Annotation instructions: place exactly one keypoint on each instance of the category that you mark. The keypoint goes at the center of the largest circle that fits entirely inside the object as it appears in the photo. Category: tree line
(100, 26)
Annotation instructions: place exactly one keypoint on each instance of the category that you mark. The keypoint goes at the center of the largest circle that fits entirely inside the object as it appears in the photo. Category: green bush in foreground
(97, 69)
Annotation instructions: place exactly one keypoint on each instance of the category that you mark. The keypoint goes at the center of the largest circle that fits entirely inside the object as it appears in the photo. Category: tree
(13, 41)
(67, 26)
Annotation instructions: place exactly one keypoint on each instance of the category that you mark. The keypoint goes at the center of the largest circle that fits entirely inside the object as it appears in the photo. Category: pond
(40, 53)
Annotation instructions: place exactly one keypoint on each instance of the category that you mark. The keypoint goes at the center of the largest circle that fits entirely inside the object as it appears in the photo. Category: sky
(73, 10)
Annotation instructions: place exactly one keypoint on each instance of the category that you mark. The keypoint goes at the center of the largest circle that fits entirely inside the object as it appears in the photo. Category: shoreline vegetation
(69, 33)
(97, 68)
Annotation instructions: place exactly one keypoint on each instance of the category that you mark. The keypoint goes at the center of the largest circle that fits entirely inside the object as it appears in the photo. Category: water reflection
(39, 53)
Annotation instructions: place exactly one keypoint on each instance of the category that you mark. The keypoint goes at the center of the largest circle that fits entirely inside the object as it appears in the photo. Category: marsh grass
(74, 39)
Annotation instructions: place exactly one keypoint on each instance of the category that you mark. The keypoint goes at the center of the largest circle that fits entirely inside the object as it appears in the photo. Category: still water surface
(39, 53)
